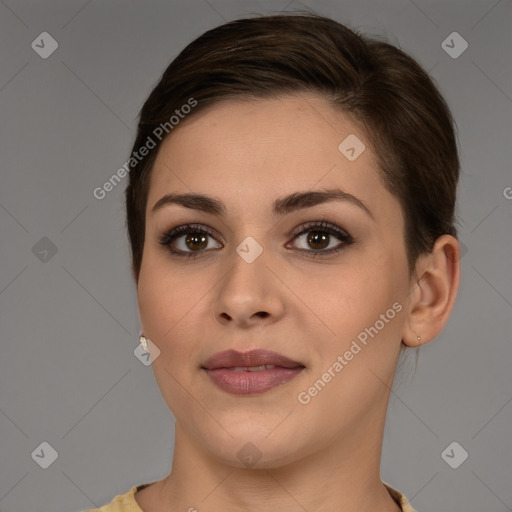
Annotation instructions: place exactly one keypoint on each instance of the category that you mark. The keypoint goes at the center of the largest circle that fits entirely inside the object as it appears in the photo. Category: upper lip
(259, 357)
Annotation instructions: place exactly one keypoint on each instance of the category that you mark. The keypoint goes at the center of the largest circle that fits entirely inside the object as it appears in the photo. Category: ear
(437, 277)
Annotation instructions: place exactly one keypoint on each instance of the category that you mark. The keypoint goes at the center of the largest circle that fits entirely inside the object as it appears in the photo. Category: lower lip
(246, 383)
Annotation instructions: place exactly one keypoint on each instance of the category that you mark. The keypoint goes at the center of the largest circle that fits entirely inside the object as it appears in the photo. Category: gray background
(69, 320)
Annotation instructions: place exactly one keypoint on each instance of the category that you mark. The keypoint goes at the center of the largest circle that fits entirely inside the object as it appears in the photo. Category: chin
(255, 450)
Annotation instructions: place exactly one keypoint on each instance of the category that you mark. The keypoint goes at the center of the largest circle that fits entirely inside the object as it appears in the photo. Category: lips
(260, 357)
(250, 372)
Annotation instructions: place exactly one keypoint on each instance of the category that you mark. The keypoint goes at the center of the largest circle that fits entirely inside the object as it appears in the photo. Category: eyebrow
(282, 206)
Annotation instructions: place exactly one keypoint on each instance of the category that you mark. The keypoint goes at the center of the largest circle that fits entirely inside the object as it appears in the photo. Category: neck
(345, 477)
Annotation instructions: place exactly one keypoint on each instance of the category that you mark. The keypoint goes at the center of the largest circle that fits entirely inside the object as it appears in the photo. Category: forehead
(256, 150)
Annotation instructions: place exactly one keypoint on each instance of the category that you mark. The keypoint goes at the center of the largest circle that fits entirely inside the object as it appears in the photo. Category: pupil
(318, 240)
(197, 241)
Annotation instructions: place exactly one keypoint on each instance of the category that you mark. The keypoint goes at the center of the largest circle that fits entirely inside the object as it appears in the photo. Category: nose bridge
(248, 290)
(245, 277)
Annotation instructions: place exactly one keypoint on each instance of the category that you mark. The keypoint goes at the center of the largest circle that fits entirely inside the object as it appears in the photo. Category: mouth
(256, 371)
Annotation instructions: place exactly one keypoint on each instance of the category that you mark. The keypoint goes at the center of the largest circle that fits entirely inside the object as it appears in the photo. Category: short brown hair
(406, 119)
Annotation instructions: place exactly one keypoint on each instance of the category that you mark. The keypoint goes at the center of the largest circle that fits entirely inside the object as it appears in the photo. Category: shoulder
(122, 502)
(400, 499)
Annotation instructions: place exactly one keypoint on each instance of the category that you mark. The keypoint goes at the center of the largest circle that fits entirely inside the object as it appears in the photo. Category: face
(321, 279)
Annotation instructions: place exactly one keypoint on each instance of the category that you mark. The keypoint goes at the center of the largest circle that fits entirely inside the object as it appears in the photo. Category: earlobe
(432, 300)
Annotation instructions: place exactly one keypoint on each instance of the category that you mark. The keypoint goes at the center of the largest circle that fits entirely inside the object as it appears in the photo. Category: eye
(319, 238)
(189, 240)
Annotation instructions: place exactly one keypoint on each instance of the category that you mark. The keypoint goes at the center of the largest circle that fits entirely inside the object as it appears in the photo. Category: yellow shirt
(126, 502)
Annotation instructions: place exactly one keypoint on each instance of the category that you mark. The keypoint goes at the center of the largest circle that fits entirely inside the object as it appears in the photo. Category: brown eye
(196, 241)
(318, 240)
(189, 240)
(321, 239)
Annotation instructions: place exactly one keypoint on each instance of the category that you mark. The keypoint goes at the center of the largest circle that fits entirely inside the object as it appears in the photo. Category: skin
(325, 455)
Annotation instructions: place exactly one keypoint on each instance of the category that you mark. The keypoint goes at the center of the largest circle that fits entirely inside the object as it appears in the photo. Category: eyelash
(322, 227)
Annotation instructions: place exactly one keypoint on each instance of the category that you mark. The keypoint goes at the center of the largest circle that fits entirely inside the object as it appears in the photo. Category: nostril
(262, 314)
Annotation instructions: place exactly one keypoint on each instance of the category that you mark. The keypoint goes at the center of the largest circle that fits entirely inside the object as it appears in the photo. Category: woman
(290, 211)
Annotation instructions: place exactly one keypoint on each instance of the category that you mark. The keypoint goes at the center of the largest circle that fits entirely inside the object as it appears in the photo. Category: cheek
(173, 306)
(161, 297)
(171, 303)
(345, 294)
(362, 304)
(360, 299)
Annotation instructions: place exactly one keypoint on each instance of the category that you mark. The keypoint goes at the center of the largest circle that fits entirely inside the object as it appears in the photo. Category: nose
(249, 294)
